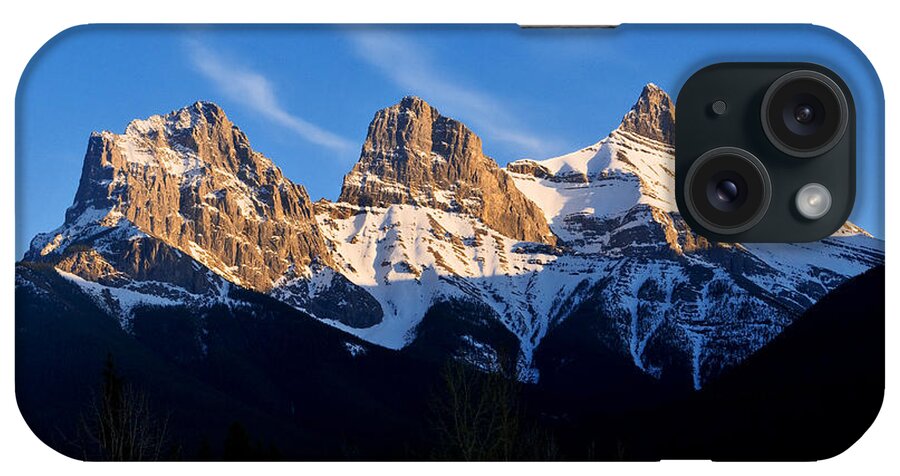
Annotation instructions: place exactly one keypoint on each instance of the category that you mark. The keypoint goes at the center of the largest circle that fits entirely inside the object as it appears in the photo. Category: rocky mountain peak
(652, 116)
(200, 114)
(414, 126)
(190, 179)
(413, 155)
(415, 103)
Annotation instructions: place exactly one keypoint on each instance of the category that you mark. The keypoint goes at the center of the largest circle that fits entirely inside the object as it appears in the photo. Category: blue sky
(305, 96)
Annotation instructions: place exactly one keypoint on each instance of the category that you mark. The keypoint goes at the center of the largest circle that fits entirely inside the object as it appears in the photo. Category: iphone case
(497, 271)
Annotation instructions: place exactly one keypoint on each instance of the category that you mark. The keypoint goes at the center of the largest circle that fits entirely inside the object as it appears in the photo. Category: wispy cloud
(410, 66)
(255, 91)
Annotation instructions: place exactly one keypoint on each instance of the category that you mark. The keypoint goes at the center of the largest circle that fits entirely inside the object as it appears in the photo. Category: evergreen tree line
(474, 415)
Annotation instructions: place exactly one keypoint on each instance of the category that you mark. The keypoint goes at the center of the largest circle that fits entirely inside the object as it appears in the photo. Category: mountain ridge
(425, 219)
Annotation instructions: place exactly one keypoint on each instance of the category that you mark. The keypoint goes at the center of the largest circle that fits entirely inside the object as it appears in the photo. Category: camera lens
(804, 113)
(727, 190)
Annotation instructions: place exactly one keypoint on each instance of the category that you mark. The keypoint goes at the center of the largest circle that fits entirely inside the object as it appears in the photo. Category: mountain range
(432, 250)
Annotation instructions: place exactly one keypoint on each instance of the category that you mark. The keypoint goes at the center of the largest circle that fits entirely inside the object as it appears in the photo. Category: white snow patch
(354, 349)
(125, 299)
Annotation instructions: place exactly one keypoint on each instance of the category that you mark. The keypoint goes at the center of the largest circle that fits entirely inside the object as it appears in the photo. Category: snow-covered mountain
(668, 293)
(179, 208)
(180, 203)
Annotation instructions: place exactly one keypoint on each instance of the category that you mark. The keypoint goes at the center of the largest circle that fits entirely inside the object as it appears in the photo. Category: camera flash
(813, 201)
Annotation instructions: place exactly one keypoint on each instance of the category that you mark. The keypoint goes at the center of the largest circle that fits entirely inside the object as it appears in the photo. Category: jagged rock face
(139, 259)
(191, 180)
(653, 116)
(414, 156)
(330, 295)
(529, 167)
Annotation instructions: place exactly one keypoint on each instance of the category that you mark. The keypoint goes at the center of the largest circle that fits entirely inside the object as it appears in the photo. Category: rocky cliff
(415, 156)
(191, 180)
(652, 116)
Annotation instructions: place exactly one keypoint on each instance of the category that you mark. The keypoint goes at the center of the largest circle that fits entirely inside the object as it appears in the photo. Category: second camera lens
(726, 190)
(804, 113)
